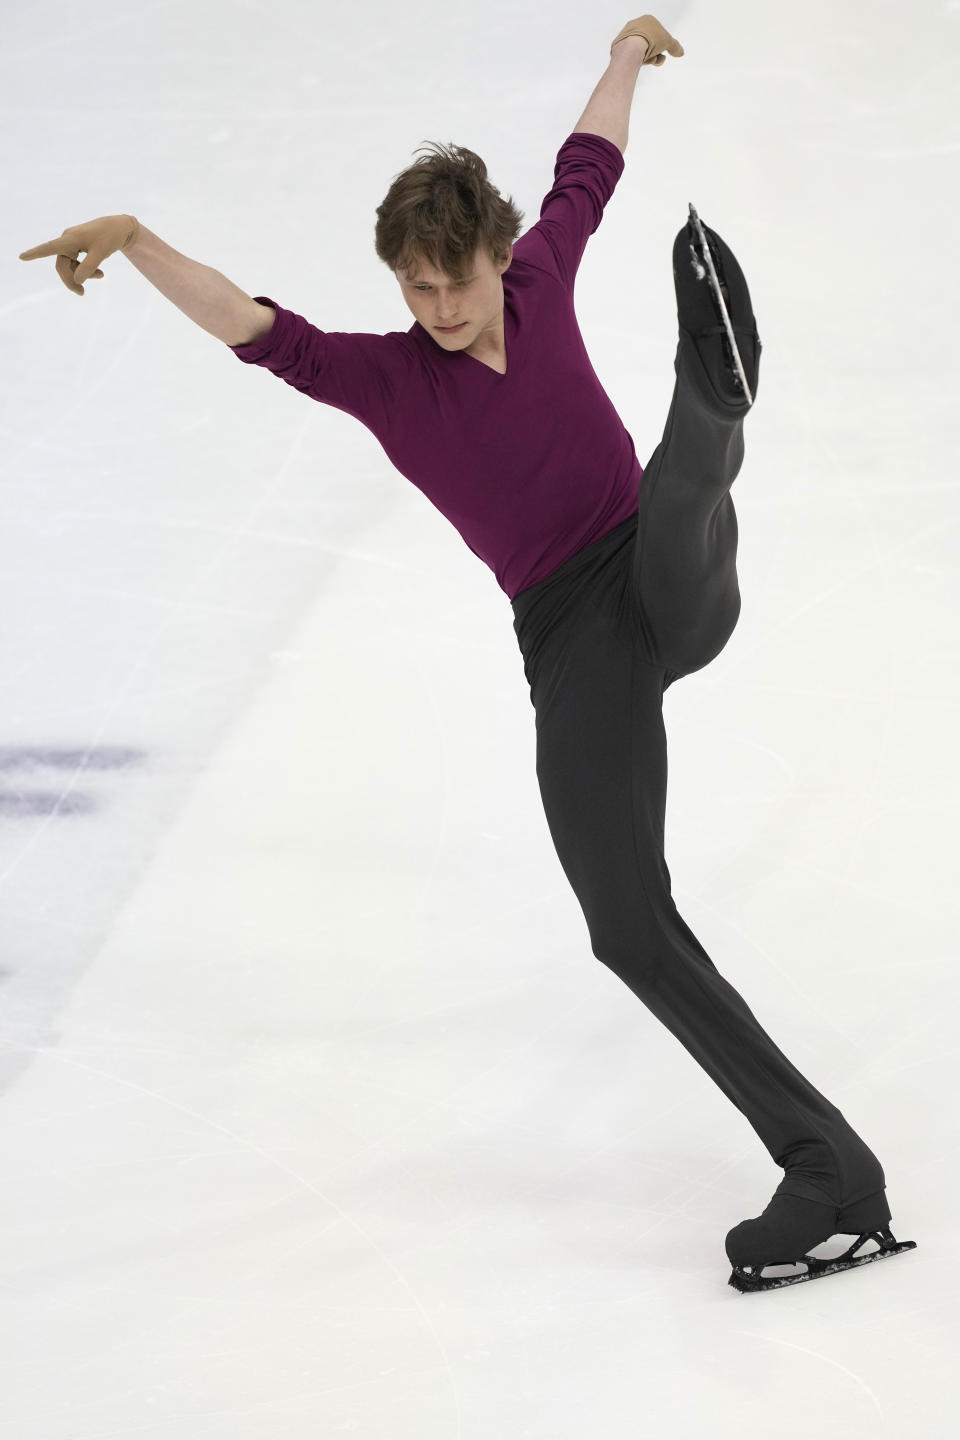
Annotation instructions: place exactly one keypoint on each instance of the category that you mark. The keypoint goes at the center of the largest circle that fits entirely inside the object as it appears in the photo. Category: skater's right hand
(99, 238)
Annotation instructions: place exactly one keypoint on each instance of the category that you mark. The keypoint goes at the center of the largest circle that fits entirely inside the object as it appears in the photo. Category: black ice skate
(781, 1238)
(713, 309)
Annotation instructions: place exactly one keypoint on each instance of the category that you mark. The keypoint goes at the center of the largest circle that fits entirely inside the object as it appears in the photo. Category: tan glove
(99, 238)
(658, 39)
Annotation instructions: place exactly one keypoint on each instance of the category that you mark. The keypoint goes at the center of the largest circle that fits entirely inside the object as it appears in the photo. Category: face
(476, 302)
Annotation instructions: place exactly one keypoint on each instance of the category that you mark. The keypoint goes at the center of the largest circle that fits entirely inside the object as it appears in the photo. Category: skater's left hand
(658, 39)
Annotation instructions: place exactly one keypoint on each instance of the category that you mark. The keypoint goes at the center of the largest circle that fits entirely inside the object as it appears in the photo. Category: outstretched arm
(641, 42)
(210, 300)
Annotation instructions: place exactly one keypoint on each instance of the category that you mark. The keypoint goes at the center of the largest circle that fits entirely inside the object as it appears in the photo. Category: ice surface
(317, 1114)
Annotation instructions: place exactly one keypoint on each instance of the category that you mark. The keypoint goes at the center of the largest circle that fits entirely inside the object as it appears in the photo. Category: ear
(506, 263)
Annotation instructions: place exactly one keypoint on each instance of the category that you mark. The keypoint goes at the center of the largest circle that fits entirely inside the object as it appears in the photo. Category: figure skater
(621, 580)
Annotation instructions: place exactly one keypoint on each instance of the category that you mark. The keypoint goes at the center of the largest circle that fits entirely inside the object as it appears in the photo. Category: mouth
(449, 329)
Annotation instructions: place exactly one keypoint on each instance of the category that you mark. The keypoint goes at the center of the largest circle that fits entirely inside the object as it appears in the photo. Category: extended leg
(684, 575)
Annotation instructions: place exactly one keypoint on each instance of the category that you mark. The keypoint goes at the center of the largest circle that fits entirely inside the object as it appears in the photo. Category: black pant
(601, 639)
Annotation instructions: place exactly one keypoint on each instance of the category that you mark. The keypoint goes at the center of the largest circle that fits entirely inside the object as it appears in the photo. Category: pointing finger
(52, 247)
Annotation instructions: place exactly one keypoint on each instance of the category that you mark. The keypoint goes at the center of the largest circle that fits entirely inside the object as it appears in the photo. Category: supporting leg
(602, 771)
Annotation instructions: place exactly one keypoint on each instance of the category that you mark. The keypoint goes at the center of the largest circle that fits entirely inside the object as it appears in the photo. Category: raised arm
(641, 42)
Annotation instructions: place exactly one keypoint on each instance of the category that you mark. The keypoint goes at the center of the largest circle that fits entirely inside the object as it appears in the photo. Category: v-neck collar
(502, 374)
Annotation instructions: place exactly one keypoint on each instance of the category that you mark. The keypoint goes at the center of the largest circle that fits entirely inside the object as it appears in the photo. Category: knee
(724, 620)
(638, 970)
(704, 641)
(629, 939)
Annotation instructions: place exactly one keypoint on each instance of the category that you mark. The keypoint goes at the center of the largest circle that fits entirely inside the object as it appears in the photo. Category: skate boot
(719, 345)
(795, 1222)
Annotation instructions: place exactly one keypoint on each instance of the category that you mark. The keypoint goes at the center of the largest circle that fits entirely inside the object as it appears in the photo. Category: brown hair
(441, 209)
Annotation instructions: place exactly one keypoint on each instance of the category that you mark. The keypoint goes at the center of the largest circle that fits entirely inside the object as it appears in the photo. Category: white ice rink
(318, 1116)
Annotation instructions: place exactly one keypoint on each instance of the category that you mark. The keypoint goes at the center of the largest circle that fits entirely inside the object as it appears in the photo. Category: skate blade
(751, 1279)
(711, 271)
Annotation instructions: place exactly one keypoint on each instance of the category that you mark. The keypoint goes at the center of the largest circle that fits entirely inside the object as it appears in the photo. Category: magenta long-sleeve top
(530, 466)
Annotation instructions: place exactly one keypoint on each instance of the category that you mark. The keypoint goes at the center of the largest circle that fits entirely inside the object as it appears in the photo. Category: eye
(427, 287)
